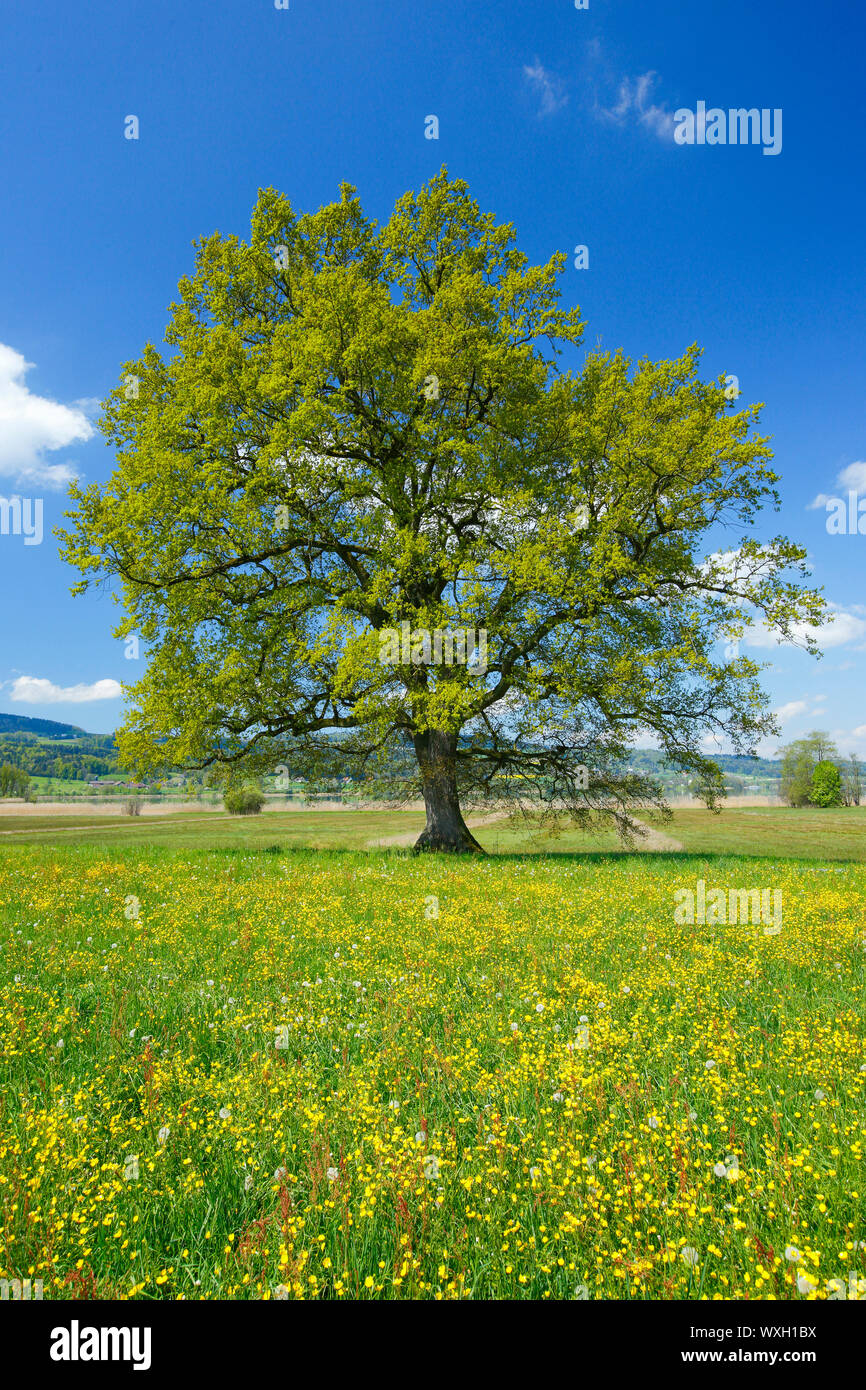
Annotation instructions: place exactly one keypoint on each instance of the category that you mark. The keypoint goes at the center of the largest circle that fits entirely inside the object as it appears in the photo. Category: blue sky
(562, 121)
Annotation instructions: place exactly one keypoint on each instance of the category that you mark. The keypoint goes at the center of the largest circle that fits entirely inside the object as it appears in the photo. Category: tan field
(84, 807)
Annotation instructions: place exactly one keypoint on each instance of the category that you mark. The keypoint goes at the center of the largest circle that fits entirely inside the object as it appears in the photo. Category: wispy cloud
(847, 625)
(847, 628)
(36, 690)
(850, 741)
(88, 405)
(790, 710)
(31, 426)
(549, 88)
(634, 105)
(851, 479)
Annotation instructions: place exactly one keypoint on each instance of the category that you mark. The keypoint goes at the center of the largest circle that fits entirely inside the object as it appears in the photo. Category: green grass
(763, 831)
(239, 1074)
(212, 830)
(774, 830)
(503, 837)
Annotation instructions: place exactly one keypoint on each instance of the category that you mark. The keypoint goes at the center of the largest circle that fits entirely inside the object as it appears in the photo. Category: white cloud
(850, 741)
(551, 90)
(851, 479)
(733, 567)
(846, 628)
(633, 104)
(848, 625)
(32, 425)
(791, 710)
(88, 405)
(36, 690)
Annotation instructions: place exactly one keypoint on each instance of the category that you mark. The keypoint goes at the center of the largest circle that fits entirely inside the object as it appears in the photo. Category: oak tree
(358, 427)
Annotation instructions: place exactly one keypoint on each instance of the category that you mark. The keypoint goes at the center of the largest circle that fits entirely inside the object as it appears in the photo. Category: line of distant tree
(814, 774)
(811, 770)
(740, 764)
(13, 781)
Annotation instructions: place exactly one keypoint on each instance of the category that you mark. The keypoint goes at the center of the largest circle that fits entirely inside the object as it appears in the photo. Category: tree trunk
(445, 829)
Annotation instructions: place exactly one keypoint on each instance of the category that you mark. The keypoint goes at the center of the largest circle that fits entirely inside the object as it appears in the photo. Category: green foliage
(13, 781)
(360, 426)
(244, 801)
(49, 728)
(826, 789)
(797, 771)
(799, 760)
(852, 784)
(72, 759)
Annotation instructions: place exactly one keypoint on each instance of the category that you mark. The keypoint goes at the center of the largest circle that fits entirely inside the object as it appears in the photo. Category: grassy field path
(408, 837)
(655, 840)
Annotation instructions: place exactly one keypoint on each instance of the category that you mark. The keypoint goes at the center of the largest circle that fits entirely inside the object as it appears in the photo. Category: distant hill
(44, 728)
(47, 748)
(647, 759)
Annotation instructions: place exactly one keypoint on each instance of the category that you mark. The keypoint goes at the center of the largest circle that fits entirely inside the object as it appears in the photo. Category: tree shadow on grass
(533, 858)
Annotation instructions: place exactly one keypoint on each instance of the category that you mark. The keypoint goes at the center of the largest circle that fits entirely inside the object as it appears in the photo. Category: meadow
(262, 1071)
(819, 835)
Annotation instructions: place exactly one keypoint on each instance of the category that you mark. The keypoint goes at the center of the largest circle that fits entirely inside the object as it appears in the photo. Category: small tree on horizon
(15, 782)
(853, 786)
(799, 760)
(244, 801)
(359, 427)
(826, 789)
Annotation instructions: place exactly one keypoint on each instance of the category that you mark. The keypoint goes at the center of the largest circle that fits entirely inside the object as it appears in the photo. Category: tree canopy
(359, 427)
(826, 789)
(800, 758)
